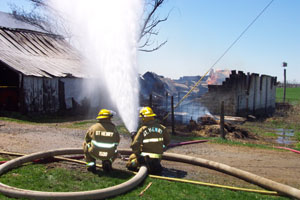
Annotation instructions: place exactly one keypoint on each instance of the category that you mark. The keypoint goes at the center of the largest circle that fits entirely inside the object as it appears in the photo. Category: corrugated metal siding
(39, 54)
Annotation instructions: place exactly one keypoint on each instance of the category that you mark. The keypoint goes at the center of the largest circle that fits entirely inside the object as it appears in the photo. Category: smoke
(106, 33)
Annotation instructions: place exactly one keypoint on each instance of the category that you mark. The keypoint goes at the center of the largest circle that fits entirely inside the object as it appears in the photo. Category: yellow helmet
(104, 114)
(147, 112)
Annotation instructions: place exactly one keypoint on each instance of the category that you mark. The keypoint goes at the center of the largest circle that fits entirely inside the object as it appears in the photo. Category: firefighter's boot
(106, 165)
(91, 167)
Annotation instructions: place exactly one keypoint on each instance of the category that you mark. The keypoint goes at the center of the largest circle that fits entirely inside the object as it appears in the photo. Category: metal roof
(39, 54)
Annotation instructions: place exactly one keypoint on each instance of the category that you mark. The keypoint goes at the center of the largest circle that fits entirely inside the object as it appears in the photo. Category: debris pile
(207, 126)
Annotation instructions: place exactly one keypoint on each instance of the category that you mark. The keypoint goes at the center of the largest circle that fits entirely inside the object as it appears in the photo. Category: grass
(40, 118)
(292, 95)
(218, 140)
(39, 177)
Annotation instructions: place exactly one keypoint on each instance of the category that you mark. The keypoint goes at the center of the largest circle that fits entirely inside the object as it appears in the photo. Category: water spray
(106, 34)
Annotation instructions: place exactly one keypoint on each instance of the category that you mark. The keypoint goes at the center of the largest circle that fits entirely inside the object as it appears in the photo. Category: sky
(199, 31)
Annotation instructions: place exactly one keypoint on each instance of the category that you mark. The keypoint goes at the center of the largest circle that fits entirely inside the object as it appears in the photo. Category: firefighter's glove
(132, 135)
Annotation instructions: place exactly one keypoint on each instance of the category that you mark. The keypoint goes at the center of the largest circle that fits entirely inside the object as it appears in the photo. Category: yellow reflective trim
(152, 155)
(104, 145)
(153, 140)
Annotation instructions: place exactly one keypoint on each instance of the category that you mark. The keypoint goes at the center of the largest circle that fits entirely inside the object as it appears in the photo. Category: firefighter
(148, 143)
(101, 141)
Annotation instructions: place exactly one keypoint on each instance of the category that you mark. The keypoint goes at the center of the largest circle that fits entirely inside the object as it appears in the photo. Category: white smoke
(106, 32)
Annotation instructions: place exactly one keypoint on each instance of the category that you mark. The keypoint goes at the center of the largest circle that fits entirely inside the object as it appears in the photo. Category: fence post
(284, 85)
(167, 98)
(150, 101)
(172, 115)
(222, 120)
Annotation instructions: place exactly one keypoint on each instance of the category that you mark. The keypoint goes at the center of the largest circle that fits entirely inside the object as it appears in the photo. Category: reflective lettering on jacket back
(152, 130)
(104, 134)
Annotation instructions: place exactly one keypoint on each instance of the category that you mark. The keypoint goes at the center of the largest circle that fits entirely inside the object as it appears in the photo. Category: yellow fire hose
(215, 185)
(165, 178)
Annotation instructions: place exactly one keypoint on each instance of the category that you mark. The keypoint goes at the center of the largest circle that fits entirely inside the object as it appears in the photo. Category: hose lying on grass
(159, 177)
(244, 175)
(252, 178)
(289, 149)
(83, 195)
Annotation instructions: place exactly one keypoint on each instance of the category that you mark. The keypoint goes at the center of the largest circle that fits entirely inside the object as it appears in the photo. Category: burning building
(243, 95)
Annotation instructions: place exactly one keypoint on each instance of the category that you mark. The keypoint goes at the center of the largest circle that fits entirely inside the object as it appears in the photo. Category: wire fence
(288, 100)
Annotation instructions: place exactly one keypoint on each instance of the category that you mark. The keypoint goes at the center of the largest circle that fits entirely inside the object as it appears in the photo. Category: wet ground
(285, 136)
(278, 165)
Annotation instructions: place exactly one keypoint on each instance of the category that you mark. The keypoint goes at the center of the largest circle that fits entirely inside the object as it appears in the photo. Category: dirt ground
(280, 166)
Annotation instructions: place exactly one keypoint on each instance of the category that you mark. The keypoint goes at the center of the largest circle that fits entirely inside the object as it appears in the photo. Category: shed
(39, 72)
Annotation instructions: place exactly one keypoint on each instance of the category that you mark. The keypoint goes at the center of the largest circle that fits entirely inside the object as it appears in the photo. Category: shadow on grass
(115, 173)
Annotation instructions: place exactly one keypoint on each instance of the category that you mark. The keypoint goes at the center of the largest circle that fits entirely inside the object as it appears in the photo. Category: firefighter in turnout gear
(149, 143)
(101, 141)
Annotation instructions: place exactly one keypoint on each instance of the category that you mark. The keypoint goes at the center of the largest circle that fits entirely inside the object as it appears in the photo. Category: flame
(217, 77)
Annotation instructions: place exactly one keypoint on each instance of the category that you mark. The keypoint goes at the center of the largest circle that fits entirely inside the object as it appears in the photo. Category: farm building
(39, 72)
(243, 95)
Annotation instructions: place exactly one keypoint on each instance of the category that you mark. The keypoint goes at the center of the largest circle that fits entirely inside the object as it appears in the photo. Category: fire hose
(92, 194)
(186, 143)
(289, 149)
(249, 177)
(74, 159)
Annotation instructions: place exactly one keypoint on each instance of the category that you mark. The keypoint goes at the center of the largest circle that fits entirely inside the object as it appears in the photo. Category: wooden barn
(39, 72)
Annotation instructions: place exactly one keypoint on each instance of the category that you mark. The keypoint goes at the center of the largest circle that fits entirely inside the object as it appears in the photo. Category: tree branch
(154, 49)
(38, 18)
(149, 26)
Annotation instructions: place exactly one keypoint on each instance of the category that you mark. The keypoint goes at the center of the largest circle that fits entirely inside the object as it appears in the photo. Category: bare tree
(33, 17)
(149, 27)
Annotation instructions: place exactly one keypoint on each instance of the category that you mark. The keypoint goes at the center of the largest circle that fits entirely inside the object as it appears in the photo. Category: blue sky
(199, 31)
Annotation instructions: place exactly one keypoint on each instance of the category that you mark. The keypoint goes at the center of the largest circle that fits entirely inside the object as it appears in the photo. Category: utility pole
(150, 101)
(172, 115)
(222, 121)
(284, 65)
(167, 98)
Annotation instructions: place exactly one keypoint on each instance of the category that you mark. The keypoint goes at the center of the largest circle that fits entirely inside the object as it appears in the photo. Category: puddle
(285, 136)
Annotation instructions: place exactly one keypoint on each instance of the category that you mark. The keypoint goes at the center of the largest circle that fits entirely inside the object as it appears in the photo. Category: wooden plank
(28, 93)
(38, 44)
(11, 41)
(31, 44)
(43, 40)
(24, 42)
(5, 44)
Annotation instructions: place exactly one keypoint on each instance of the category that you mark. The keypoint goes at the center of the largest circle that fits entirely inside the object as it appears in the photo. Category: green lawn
(292, 95)
(39, 177)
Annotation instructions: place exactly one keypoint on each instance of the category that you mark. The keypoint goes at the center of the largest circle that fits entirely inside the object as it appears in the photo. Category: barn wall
(73, 88)
(242, 95)
(40, 94)
(49, 95)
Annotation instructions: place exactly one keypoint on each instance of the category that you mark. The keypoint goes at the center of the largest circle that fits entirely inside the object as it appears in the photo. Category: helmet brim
(151, 115)
(103, 117)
